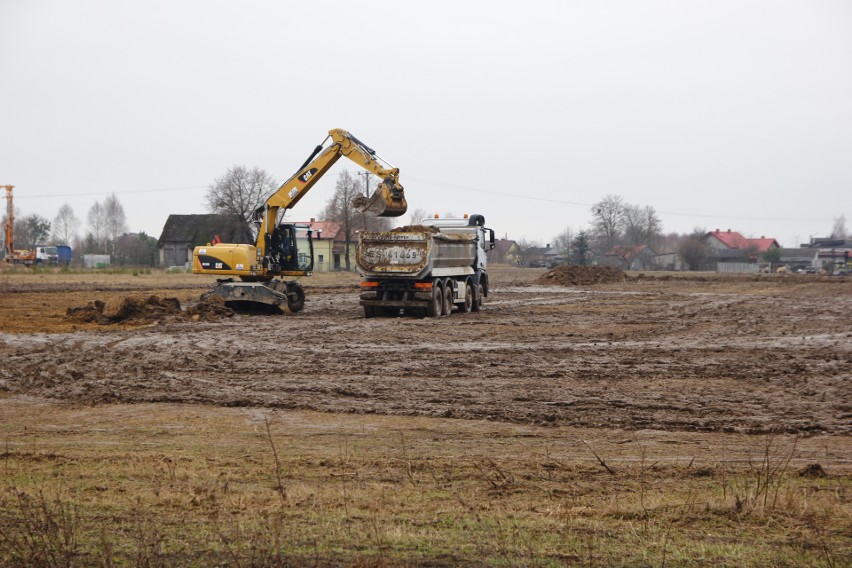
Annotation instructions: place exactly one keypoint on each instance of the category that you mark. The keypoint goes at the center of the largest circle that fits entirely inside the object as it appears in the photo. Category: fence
(743, 267)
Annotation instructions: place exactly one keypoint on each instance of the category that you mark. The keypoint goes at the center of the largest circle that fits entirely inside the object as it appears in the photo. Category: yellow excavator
(262, 267)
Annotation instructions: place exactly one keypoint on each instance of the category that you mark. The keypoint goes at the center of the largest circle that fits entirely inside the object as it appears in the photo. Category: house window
(320, 259)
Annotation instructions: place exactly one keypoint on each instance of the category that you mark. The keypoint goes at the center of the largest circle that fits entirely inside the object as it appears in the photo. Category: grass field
(138, 483)
(179, 484)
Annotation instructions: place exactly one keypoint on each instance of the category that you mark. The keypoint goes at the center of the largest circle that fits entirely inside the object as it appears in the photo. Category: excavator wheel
(295, 297)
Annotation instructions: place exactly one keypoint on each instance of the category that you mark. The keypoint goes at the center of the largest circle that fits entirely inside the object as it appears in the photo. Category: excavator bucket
(385, 202)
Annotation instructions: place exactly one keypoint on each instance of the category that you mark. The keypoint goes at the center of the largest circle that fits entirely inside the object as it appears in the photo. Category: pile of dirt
(573, 275)
(126, 309)
(415, 229)
(210, 308)
(123, 309)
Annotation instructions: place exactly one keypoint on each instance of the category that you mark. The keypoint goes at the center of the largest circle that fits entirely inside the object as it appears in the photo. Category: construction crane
(11, 255)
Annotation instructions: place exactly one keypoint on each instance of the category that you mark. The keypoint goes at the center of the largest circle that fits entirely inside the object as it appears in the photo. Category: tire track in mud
(661, 358)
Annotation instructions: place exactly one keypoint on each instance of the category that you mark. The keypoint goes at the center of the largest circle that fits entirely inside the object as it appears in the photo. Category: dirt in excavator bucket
(381, 204)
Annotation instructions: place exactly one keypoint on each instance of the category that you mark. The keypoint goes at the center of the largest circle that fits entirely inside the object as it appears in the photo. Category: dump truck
(428, 269)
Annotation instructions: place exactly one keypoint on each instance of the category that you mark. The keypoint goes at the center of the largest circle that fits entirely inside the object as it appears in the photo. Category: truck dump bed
(416, 252)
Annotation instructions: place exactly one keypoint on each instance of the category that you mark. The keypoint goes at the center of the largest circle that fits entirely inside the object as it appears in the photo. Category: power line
(120, 192)
(578, 204)
(125, 192)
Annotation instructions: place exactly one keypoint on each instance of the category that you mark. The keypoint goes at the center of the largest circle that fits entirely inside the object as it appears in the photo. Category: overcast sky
(719, 114)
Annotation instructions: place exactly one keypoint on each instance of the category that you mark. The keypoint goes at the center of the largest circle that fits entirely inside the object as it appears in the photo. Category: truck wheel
(477, 298)
(448, 299)
(436, 304)
(468, 298)
(369, 312)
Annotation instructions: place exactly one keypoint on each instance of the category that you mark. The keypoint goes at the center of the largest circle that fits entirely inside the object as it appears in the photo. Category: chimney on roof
(313, 220)
(762, 236)
(547, 246)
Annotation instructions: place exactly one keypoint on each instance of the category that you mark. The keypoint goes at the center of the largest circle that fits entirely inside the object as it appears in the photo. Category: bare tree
(339, 209)
(641, 225)
(607, 222)
(693, 251)
(96, 235)
(562, 242)
(241, 191)
(417, 215)
(65, 226)
(116, 221)
(135, 249)
(838, 231)
(525, 250)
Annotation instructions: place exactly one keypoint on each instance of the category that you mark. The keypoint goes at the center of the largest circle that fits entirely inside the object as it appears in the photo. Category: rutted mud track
(749, 355)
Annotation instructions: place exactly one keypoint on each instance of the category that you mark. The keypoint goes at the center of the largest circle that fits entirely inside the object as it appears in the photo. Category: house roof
(330, 229)
(502, 247)
(734, 240)
(729, 238)
(544, 251)
(828, 242)
(796, 254)
(763, 244)
(201, 229)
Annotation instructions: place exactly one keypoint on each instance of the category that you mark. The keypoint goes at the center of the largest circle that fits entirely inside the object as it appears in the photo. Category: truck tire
(477, 298)
(369, 312)
(436, 304)
(468, 298)
(447, 308)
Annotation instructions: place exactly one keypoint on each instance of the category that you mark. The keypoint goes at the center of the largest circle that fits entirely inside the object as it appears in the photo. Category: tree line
(106, 233)
(614, 222)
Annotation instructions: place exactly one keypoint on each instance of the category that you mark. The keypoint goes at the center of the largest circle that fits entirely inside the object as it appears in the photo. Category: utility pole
(8, 226)
(366, 182)
(365, 218)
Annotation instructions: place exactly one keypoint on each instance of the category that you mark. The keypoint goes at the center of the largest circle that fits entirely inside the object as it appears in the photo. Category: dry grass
(188, 485)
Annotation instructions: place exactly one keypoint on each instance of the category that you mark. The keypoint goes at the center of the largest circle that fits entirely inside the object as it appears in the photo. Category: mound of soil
(124, 309)
(415, 229)
(814, 470)
(573, 275)
(210, 308)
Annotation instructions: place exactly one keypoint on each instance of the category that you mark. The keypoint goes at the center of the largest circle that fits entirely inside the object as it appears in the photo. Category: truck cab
(46, 255)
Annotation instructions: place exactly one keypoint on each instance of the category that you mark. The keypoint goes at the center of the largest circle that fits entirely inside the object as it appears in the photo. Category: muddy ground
(727, 354)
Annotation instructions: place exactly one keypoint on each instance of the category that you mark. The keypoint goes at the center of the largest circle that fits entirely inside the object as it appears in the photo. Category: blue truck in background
(57, 255)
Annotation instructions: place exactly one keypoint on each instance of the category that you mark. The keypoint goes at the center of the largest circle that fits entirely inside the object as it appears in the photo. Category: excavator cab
(282, 250)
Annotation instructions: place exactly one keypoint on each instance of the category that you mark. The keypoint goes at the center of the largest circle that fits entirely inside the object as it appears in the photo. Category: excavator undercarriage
(274, 297)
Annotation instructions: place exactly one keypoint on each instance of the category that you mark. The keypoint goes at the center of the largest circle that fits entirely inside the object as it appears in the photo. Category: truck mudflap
(254, 297)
